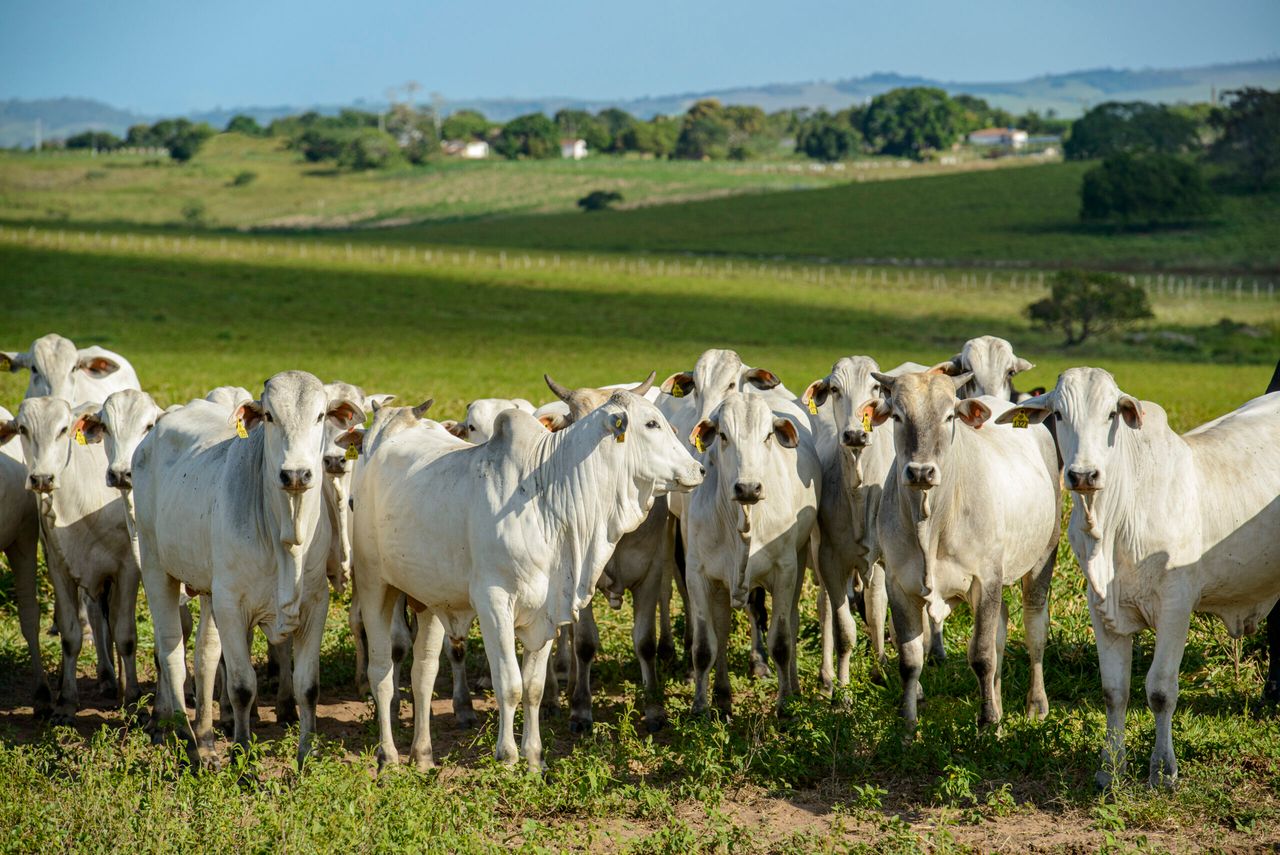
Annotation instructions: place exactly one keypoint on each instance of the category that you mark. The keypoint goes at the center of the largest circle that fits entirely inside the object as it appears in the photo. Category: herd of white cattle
(719, 479)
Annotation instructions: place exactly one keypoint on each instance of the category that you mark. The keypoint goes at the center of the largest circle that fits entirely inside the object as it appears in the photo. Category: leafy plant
(599, 200)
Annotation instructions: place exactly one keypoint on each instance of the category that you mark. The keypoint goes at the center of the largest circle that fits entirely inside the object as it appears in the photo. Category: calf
(1163, 526)
(967, 509)
(748, 527)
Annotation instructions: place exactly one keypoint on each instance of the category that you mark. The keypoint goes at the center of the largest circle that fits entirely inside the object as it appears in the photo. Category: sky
(169, 57)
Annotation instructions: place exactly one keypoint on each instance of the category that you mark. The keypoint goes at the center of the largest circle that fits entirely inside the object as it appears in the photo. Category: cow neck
(929, 510)
(81, 487)
(582, 481)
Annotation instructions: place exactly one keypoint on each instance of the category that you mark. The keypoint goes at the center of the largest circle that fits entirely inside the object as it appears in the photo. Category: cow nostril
(702, 470)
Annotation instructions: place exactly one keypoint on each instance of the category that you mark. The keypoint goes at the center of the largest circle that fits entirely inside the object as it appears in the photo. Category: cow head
(924, 409)
(583, 400)
(1091, 413)
(125, 419)
(56, 366)
(295, 413)
(335, 456)
(477, 425)
(849, 385)
(654, 455)
(992, 364)
(47, 427)
(715, 375)
(739, 433)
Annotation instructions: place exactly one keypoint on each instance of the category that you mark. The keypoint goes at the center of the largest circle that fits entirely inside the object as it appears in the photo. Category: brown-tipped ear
(952, 367)
(8, 430)
(784, 431)
(352, 437)
(344, 413)
(678, 385)
(91, 426)
(373, 403)
(555, 421)
(1032, 411)
(1131, 409)
(973, 412)
(643, 388)
(97, 366)
(458, 429)
(815, 394)
(421, 410)
(876, 410)
(704, 434)
(250, 413)
(761, 378)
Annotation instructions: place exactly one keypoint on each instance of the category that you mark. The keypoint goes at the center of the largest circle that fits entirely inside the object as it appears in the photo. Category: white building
(466, 149)
(1010, 137)
(572, 149)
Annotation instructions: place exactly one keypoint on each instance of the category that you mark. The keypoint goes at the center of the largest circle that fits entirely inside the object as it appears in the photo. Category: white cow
(749, 526)
(968, 508)
(232, 507)
(854, 467)
(515, 531)
(477, 425)
(19, 533)
(86, 537)
(61, 370)
(1163, 525)
(992, 364)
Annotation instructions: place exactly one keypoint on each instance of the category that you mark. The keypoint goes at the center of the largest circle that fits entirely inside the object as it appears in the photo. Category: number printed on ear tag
(240, 429)
(352, 452)
(1020, 420)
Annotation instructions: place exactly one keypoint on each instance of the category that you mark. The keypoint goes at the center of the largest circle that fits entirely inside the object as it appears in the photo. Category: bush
(826, 137)
(369, 148)
(194, 213)
(96, 140)
(246, 125)
(243, 178)
(1084, 303)
(1151, 188)
(533, 136)
(599, 200)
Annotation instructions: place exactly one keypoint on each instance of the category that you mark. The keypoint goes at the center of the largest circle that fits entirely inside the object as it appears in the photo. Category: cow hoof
(287, 713)
(466, 719)
(666, 652)
(878, 678)
(108, 688)
(41, 702)
(580, 726)
(760, 670)
(937, 657)
(63, 717)
(423, 762)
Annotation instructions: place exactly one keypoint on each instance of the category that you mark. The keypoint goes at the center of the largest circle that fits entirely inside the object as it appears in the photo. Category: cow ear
(554, 421)
(250, 413)
(815, 394)
(616, 426)
(1020, 365)
(8, 430)
(454, 427)
(952, 367)
(345, 413)
(373, 403)
(1131, 409)
(421, 410)
(973, 412)
(678, 385)
(352, 437)
(1034, 410)
(91, 425)
(14, 360)
(877, 410)
(785, 432)
(761, 378)
(96, 365)
(704, 434)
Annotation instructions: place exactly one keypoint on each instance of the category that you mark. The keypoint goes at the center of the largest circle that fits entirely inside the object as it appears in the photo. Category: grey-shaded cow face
(334, 456)
(1091, 412)
(849, 385)
(477, 425)
(47, 428)
(742, 431)
(992, 363)
(584, 399)
(293, 411)
(715, 375)
(124, 421)
(55, 364)
(924, 410)
(652, 449)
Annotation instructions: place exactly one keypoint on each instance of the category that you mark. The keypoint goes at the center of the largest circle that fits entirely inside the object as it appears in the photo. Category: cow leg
(876, 608)
(1172, 625)
(909, 627)
(422, 674)
(377, 606)
(189, 688)
(559, 672)
(782, 633)
(124, 629)
(826, 668)
(99, 611)
(840, 633)
(535, 662)
(666, 637)
(705, 643)
(646, 599)
(464, 714)
(682, 588)
(988, 609)
(586, 639)
(1271, 691)
(306, 667)
(208, 656)
(1035, 622)
(1115, 664)
(67, 594)
(722, 617)
(497, 627)
(758, 615)
(404, 630)
(171, 658)
(22, 558)
(937, 643)
(280, 660)
(361, 645)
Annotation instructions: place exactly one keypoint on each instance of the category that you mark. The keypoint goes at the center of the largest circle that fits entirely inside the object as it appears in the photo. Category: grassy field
(195, 313)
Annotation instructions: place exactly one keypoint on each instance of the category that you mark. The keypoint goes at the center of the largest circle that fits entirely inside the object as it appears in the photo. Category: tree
(368, 148)
(465, 125)
(532, 135)
(656, 137)
(909, 122)
(617, 123)
(246, 125)
(1148, 188)
(96, 140)
(1083, 303)
(827, 137)
(704, 132)
(414, 131)
(579, 124)
(1132, 126)
(1250, 135)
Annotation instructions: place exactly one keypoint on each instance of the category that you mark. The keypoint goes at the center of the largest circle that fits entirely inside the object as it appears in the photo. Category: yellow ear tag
(352, 452)
(813, 407)
(240, 430)
(866, 421)
(80, 440)
(1020, 420)
(677, 391)
(619, 426)
(697, 443)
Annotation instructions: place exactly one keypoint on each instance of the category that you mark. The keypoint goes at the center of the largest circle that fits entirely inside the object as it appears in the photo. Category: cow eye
(62, 432)
(470, 427)
(35, 372)
(834, 391)
(951, 417)
(22, 430)
(266, 417)
(724, 439)
(148, 428)
(1112, 417)
(651, 424)
(319, 418)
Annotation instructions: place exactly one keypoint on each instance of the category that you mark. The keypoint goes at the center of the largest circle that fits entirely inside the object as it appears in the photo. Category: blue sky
(174, 56)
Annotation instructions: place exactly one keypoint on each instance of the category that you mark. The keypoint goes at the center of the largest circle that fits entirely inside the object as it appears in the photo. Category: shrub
(1083, 303)
(533, 136)
(243, 178)
(1149, 188)
(369, 148)
(599, 200)
(193, 213)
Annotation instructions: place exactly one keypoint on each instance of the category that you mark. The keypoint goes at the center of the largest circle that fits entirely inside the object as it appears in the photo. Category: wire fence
(914, 274)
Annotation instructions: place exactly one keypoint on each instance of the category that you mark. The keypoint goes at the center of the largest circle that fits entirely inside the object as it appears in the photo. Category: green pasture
(198, 312)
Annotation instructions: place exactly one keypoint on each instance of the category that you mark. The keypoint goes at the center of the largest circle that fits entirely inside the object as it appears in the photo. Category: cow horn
(560, 392)
(644, 387)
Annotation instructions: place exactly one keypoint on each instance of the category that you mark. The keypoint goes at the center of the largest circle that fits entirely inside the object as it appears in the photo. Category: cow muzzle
(748, 492)
(1083, 479)
(920, 476)
(295, 480)
(335, 464)
(855, 439)
(120, 480)
(40, 483)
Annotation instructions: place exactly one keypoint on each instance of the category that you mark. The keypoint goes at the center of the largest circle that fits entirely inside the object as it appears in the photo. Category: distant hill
(1067, 94)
